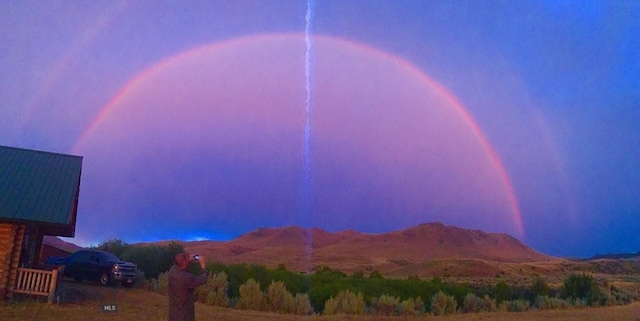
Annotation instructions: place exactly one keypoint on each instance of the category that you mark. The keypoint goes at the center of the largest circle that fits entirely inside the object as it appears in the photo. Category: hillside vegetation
(482, 273)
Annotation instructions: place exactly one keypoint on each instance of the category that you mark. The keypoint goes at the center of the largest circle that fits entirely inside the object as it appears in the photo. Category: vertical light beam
(306, 183)
(307, 86)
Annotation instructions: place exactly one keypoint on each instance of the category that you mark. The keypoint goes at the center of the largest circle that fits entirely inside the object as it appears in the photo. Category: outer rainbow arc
(123, 92)
(459, 107)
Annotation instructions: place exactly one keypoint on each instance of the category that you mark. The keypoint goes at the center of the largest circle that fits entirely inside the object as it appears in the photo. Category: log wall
(11, 236)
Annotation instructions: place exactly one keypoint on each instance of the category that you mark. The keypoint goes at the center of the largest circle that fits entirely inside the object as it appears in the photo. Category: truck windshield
(110, 257)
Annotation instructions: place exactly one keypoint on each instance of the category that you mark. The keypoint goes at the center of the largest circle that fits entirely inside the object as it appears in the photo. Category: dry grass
(136, 304)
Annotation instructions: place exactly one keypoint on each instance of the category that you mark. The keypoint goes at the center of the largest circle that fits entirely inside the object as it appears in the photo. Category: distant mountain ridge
(426, 250)
(615, 256)
(400, 252)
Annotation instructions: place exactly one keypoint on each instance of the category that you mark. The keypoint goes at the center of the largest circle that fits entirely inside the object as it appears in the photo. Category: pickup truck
(97, 266)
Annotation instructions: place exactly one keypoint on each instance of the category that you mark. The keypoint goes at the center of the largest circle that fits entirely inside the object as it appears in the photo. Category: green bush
(326, 283)
(238, 274)
(582, 287)
(503, 292)
(539, 288)
(345, 302)
(443, 304)
(375, 275)
(152, 259)
(385, 296)
(251, 297)
(114, 246)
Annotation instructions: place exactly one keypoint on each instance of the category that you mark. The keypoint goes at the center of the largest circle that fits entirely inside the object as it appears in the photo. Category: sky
(209, 119)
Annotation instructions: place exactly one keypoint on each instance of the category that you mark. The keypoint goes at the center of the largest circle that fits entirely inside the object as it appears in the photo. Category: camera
(196, 257)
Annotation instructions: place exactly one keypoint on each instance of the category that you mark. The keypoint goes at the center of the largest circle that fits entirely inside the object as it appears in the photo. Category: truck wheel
(104, 279)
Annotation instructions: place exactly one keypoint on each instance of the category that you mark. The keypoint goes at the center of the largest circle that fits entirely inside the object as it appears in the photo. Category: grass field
(83, 302)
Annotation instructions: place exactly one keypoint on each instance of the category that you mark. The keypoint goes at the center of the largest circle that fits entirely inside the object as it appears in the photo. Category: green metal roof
(39, 187)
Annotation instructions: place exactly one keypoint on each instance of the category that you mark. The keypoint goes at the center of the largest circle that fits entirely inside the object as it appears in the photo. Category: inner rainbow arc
(464, 113)
(459, 107)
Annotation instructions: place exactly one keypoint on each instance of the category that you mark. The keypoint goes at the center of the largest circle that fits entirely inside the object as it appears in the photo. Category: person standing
(182, 285)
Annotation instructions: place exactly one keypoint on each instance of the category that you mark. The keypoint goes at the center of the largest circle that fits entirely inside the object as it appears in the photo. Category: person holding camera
(182, 285)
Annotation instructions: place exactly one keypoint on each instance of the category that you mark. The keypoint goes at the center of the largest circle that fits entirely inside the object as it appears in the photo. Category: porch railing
(37, 282)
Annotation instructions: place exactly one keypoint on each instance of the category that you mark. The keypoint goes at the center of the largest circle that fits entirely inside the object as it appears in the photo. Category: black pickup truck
(97, 266)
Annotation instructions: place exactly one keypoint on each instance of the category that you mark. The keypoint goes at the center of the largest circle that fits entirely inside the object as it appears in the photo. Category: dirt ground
(87, 301)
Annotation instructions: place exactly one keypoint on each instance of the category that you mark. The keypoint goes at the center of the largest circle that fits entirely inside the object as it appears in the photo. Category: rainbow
(459, 107)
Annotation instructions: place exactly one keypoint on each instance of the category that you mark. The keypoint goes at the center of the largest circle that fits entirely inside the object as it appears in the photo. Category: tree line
(329, 291)
(151, 259)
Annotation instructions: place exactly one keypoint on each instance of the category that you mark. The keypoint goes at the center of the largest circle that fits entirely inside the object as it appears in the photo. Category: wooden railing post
(53, 285)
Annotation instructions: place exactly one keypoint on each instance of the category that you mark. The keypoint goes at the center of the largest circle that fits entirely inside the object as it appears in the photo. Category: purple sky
(519, 117)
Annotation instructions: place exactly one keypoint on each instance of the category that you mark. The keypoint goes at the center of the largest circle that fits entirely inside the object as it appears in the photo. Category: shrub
(302, 304)
(279, 299)
(503, 292)
(251, 297)
(539, 288)
(471, 303)
(475, 304)
(140, 279)
(385, 305)
(621, 297)
(152, 259)
(517, 305)
(412, 306)
(579, 303)
(582, 287)
(544, 302)
(331, 307)
(115, 246)
(162, 283)
(442, 304)
(489, 304)
(376, 275)
(345, 302)
(215, 291)
(560, 303)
